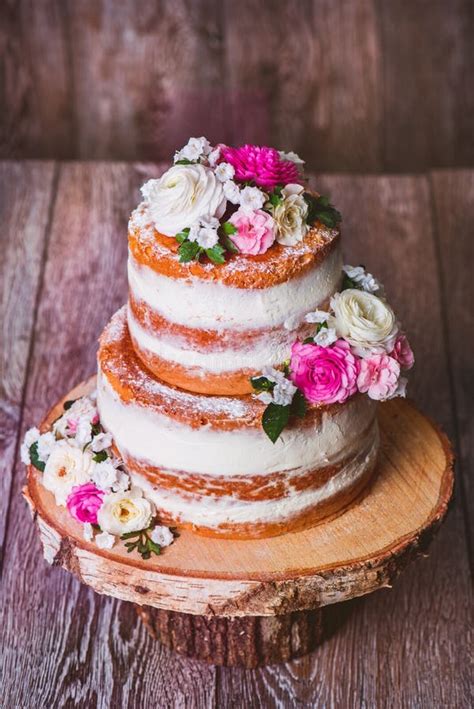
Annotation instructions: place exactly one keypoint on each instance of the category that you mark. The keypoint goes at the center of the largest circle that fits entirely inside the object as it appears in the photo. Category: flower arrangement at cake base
(78, 466)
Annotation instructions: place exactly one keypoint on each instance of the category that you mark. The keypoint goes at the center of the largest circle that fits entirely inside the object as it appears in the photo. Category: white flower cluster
(364, 280)
(77, 452)
(283, 391)
(194, 150)
(204, 232)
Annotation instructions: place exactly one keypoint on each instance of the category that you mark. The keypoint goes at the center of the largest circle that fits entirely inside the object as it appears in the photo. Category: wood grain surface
(353, 85)
(392, 521)
(63, 646)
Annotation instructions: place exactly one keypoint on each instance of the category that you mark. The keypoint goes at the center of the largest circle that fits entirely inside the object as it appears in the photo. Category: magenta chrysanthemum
(261, 165)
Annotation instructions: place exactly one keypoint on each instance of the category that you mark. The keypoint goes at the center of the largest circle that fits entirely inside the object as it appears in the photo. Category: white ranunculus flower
(123, 512)
(364, 320)
(290, 216)
(183, 195)
(67, 466)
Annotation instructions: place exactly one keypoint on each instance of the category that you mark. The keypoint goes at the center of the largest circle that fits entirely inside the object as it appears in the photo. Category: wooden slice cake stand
(259, 601)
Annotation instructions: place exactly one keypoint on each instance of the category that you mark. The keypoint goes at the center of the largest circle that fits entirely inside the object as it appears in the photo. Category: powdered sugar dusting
(141, 226)
(126, 366)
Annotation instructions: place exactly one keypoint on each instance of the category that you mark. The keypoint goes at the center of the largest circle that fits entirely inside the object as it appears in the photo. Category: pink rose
(261, 165)
(403, 353)
(378, 376)
(325, 375)
(84, 502)
(255, 231)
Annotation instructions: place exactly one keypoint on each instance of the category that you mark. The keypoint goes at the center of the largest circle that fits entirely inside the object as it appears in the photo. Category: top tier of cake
(209, 322)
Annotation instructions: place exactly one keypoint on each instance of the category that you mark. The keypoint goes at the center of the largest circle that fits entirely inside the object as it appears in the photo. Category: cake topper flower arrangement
(220, 200)
(357, 347)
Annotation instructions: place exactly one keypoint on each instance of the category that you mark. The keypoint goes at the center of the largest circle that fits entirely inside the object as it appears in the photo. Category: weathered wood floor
(63, 248)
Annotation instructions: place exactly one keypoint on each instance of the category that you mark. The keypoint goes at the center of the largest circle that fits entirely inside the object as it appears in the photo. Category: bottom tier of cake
(206, 462)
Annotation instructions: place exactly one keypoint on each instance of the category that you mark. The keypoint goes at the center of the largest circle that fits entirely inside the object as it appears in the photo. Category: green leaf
(274, 420)
(262, 384)
(320, 209)
(348, 283)
(183, 235)
(299, 405)
(96, 428)
(229, 244)
(229, 228)
(216, 254)
(188, 251)
(39, 465)
(275, 200)
(184, 161)
(100, 457)
(67, 404)
(308, 341)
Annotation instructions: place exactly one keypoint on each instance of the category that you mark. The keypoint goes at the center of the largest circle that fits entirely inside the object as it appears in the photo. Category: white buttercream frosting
(211, 305)
(163, 442)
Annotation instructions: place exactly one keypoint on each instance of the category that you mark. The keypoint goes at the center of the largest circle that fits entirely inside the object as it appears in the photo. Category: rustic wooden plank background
(63, 274)
(353, 85)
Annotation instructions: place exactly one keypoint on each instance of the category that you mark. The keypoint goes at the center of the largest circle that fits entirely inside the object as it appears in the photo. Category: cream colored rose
(290, 216)
(67, 466)
(364, 320)
(183, 195)
(123, 512)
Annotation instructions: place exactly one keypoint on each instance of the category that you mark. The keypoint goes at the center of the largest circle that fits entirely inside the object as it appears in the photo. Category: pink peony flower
(255, 231)
(378, 376)
(325, 375)
(261, 165)
(403, 353)
(84, 502)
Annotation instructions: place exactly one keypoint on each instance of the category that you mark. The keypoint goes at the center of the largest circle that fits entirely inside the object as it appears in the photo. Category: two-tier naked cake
(237, 390)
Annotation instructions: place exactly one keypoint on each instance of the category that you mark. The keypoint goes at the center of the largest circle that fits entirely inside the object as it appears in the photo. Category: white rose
(183, 195)
(290, 216)
(123, 512)
(67, 467)
(364, 320)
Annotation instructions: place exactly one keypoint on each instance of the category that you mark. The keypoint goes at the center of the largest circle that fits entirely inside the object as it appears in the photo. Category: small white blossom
(325, 337)
(251, 199)
(104, 475)
(46, 443)
(31, 436)
(265, 397)
(105, 540)
(88, 532)
(291, 157)
(319, 316)
(232, 192)
(272, 374)
(214, 156)
(101, 442)
(362, 278)
(207, 235)
(83, 432)
(224, 171)
(194, 231)
(194, 149)
(122, 482)
(162, 536)
(283, 392)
